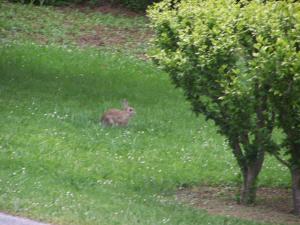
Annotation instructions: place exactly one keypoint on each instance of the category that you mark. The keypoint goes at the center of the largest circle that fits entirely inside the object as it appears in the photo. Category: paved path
(6, 219)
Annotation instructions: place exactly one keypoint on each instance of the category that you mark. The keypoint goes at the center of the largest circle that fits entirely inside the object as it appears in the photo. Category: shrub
(239, 65)
(208, 53)
(275, 62)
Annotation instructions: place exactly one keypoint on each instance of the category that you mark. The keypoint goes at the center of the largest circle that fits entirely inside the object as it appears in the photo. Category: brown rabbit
(116, 117)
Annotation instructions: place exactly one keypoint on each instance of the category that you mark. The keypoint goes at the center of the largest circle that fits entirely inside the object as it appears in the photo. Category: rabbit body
(116, 117)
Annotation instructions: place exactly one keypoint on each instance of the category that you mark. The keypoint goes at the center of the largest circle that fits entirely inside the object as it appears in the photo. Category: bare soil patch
(118, 38)
(110, 36)
(114, 10)
(133, 40)
(273, 205)
(105, 7)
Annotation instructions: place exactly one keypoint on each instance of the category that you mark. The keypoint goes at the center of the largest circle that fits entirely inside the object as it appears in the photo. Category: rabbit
(116, 117)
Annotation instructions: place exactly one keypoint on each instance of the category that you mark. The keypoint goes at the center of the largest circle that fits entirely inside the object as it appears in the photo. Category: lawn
(60, 166)
(74, 27)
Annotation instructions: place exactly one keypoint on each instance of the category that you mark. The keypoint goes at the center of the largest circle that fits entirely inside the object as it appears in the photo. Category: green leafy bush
(275, 32)
(211, 50)
(239, 65)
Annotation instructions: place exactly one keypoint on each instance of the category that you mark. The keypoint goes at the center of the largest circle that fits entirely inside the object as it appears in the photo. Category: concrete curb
(6, 219)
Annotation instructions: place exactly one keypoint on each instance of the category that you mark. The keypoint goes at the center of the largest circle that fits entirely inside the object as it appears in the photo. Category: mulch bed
(273, 205)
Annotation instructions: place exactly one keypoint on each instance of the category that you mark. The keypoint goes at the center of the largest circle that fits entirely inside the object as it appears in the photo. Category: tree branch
(238, 154)
(282, 160)
(245, 138)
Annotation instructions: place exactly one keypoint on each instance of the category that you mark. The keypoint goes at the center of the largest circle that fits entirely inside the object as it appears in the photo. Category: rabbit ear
(125, 103)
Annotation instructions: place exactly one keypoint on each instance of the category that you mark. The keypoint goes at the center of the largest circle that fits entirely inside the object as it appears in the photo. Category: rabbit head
(129, 110)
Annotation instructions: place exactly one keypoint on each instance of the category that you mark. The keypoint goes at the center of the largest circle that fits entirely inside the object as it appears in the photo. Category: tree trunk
(248, 194)
(296, 190)
(250, 172)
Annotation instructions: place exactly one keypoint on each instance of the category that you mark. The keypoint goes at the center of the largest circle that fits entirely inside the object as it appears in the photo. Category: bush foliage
(234, 62)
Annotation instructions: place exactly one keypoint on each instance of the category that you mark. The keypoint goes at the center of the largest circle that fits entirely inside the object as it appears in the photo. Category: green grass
(70, 27)
(58, 164)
